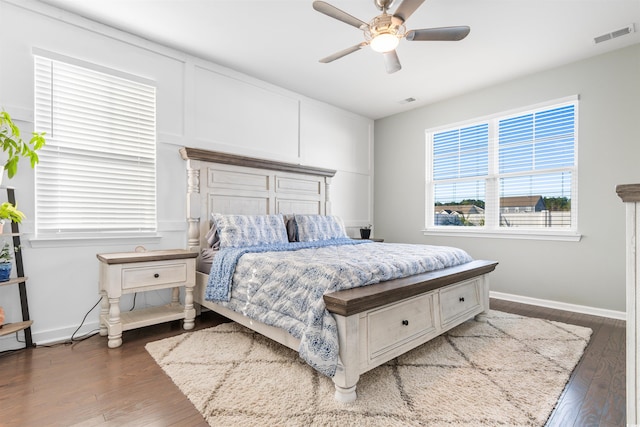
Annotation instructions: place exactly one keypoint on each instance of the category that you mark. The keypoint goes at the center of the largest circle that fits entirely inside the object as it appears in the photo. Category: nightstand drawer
(138, 277)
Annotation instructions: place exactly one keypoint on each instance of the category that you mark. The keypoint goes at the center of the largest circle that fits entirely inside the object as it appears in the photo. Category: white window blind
(505, 172)
(97, 172)
(536, 158)
(460, 168)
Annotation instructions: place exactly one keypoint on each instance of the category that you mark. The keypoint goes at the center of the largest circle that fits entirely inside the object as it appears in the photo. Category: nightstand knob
(461, 299)
(405, 322)
(156, 275)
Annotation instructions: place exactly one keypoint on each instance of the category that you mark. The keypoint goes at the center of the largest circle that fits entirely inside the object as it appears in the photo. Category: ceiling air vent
(407, 100)
(613, 34)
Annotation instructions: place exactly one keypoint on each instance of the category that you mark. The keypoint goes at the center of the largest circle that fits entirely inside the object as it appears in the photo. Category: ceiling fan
(383, 33)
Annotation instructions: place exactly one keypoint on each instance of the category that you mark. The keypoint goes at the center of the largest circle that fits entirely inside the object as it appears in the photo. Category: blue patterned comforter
(284, 288)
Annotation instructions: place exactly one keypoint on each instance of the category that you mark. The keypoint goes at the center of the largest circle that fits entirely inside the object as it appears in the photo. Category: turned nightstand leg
(115, 326)
(189, 310)
(104, 314)
(175, 296)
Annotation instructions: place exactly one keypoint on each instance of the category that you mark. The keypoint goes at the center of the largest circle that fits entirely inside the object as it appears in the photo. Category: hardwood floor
(596, 392)
(88, 384)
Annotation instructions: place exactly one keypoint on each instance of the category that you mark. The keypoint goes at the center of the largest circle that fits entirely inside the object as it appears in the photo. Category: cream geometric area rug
(508, 371)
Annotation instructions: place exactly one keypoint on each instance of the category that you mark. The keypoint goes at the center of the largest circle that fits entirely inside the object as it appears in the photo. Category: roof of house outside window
(462, 209)
(520, 201)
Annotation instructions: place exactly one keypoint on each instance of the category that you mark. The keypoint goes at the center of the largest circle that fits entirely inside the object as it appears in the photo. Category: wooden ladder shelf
(20, 280)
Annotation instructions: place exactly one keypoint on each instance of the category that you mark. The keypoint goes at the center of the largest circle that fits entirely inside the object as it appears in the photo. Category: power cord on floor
(95, 331)
(88, 334)
(66, 342)
(73, 338)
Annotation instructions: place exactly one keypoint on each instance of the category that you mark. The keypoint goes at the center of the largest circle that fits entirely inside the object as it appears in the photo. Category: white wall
(200, 104)
(588, 273)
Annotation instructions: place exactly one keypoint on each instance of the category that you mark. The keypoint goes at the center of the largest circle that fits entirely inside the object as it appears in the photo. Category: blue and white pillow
(312, 228)
(235, 231)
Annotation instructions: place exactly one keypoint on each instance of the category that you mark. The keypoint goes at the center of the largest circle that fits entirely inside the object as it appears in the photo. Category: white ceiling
(280, 42)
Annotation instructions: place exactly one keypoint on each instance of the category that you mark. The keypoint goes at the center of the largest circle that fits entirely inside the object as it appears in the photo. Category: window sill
(94, 240)
(566, 236)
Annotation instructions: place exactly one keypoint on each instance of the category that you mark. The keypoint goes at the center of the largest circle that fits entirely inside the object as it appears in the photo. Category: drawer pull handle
(405, 322)
(461, 299)
(156, 275)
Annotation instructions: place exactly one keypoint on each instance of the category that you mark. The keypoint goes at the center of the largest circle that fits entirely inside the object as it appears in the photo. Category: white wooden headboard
(231, 184)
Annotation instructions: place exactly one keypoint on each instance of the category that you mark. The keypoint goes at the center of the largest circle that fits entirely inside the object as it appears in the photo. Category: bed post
(193, 205)
(327, 195)
(347, 374)
(630, 195)
(484, 298)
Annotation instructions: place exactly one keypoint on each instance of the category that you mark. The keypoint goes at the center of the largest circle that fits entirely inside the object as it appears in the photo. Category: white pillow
(236, 231)
(312, 228)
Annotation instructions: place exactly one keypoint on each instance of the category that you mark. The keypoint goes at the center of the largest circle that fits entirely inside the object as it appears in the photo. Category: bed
(374, 323)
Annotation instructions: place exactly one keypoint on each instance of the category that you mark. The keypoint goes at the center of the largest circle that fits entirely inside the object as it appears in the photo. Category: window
(509, 173)
(97, 172)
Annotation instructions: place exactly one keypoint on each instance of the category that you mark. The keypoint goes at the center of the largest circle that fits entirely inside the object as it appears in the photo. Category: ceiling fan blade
(438, 34)
(391, 61)
(334, 12)
(342, 53)
(406, 9)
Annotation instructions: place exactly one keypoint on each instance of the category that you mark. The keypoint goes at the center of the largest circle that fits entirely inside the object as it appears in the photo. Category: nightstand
(129, 272)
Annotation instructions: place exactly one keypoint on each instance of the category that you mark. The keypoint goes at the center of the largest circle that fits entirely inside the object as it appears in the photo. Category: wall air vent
(407, 100)
(614, 34)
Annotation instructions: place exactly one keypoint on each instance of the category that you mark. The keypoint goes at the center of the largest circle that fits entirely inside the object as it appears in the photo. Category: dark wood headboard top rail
(357, 300)
(251, 162)
(629, 193)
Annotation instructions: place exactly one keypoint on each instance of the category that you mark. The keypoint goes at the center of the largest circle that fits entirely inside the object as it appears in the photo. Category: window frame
(68, 238)
(491, 227)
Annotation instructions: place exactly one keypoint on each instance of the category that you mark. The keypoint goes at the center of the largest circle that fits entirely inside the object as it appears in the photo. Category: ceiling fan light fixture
(382, 34)
(384, 42)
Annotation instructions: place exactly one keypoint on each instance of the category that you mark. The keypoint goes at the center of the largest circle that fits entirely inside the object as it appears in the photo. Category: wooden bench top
(357, 300)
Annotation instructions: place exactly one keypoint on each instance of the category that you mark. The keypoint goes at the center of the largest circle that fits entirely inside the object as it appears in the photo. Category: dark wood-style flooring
(596, 392)
(88, 384)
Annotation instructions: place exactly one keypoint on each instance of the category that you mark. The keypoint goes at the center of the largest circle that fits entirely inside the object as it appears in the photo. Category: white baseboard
(612, 314)
(49, 337)
(9, 342)
(55, 336)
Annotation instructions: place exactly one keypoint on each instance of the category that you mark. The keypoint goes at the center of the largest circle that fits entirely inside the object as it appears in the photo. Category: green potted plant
(14, 147)
(5, 262)
(11, 213)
